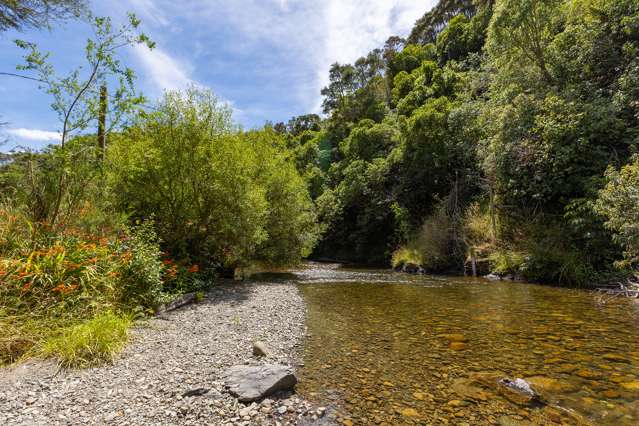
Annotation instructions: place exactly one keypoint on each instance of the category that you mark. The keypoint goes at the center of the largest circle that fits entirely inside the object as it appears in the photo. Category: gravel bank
(185, 351)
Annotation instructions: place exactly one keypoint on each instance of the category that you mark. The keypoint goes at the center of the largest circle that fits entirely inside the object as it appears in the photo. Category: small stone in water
(410, 412)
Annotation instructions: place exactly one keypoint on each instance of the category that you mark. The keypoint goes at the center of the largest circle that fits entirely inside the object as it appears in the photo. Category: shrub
(434, 241)
(477, 227)
(58, 278)
(506, 262)
(432, 248)
(90, 343)
(404, 256)
(618, 203)
(218, 196)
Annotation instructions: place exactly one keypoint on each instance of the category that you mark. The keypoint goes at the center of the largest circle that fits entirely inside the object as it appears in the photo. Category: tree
(77, 97)
(21, 14)
(217, 195)
(523, 30)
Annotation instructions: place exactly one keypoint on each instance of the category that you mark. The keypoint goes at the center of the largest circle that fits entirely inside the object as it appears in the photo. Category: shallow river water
(391, 348)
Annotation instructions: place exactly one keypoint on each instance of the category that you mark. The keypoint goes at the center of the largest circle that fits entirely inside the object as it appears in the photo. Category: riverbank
(185, 350)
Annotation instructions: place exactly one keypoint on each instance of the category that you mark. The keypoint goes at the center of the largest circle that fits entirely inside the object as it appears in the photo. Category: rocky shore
(172, 371)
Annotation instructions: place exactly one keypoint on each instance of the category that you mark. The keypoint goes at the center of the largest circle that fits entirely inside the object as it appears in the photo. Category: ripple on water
(401, 349)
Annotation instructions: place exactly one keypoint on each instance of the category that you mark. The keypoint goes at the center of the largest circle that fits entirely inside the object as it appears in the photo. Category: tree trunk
(102, 122)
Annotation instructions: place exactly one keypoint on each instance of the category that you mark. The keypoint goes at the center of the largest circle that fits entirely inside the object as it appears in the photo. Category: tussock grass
(90, 343)
(406, 255)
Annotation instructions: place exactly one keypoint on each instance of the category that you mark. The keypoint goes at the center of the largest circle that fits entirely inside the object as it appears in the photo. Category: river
(390, 348)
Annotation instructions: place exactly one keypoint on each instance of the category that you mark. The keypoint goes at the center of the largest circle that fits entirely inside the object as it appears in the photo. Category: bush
(618, 203)
(218, 196)
(433, 246)
(90, 343)
(506, 262)
(59, 278)
(434, 241)
(405, 256)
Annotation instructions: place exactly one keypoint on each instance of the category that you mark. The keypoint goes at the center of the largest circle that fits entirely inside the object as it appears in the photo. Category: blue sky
(268, 58)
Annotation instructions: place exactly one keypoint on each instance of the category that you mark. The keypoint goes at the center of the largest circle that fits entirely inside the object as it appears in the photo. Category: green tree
(217, 195)
(21, 14)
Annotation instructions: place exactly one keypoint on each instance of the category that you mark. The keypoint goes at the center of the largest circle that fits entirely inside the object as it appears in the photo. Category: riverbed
(391, 348)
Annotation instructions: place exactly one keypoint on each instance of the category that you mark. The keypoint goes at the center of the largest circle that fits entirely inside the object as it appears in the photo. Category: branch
(9, 74)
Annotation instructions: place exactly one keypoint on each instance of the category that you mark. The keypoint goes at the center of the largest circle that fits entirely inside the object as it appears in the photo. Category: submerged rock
(549, 385)
(517, 391)
(412, 268)
(252, 383)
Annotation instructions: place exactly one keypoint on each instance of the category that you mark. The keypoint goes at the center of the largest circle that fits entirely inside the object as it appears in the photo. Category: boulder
(252, 383)
(412, 268)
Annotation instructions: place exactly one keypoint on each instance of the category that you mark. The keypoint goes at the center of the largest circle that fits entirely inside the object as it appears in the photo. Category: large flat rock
(251, 383)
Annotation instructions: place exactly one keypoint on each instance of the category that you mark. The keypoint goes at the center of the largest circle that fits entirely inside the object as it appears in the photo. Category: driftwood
(627, 289)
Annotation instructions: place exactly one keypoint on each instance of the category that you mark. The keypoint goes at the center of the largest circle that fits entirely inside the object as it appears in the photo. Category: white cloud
(149, 10)
(166, 72)
(356, 27)
(35, 135)
(298, 39)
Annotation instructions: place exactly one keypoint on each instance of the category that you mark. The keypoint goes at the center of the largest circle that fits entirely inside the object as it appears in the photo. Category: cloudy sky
(268, 58)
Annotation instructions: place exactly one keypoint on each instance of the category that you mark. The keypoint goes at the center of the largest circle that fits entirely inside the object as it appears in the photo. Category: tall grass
(89, 343)
(432, 246)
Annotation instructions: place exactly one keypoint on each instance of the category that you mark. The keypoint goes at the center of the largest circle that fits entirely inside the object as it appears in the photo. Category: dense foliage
(501, 113)
(216, 194)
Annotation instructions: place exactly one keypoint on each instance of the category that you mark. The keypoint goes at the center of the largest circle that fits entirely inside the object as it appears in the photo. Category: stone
(252, 383)
(409, 412)
(517, 391)
(282, 409)
(456, 337)
(588, 374)
(261, 349)
(412, 268)
(195, 392)
(615, 358)
(457, 346)
(609, 393)
(633, 386)
(466, 389)
(543, 384)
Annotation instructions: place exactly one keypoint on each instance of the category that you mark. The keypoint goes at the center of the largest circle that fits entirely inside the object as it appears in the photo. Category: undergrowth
(71, 294)
(89, 343)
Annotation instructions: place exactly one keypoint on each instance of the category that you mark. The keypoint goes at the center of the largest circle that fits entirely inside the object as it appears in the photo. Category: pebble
(166, 358)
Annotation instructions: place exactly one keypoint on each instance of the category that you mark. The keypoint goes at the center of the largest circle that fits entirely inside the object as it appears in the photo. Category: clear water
(391, 348)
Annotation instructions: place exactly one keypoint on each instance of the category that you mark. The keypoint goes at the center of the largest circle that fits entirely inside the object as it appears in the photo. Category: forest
(500, 136)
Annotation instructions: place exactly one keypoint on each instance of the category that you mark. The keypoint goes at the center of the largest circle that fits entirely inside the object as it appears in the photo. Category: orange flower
(167, 262)
(64, 289)
(26, 287)
(194, 268)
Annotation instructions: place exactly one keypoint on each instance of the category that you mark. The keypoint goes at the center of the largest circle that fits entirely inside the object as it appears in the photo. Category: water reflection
(401, 349)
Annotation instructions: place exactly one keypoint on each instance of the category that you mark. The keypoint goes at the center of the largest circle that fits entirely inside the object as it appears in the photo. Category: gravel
(170, 373)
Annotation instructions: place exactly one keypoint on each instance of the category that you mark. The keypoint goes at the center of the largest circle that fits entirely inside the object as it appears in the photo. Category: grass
(505, 262)
(90, 343)
(404, 256)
